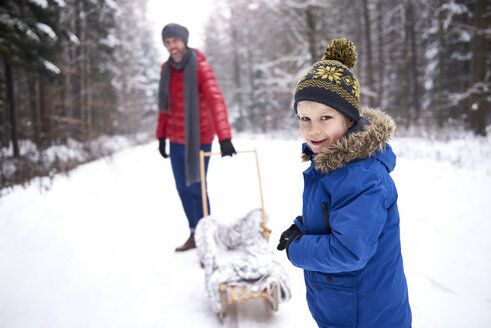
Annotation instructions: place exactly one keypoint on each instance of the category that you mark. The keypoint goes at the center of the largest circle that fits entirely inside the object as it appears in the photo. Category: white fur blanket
(236, 253)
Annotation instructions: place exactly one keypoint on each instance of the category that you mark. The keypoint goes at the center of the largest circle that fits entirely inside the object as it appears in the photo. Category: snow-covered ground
(97, 248)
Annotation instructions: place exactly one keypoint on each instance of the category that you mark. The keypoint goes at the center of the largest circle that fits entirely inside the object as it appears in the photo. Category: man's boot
(189, 244)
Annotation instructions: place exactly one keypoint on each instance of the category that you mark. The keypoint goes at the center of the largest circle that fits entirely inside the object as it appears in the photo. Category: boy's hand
(290, 234)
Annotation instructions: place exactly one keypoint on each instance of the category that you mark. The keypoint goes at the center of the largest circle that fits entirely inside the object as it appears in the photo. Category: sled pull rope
(202, 155)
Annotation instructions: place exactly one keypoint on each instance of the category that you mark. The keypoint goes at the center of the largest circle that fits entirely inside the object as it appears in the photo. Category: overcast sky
(190, 13)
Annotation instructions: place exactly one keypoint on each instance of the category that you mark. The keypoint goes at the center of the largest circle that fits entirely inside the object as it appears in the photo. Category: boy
(347, 239)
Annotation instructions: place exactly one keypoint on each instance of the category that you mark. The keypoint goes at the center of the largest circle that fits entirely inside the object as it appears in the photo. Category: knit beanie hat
(173, 30)
(331, 82)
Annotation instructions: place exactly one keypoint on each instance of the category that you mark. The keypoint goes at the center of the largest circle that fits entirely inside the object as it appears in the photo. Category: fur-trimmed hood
(363, 140)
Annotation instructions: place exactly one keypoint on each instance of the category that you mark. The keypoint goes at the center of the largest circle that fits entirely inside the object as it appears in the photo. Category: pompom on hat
(331, 82)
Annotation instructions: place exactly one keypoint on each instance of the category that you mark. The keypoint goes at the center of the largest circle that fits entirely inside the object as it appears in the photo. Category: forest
(75, 71)
(72, 71)
(426, 62)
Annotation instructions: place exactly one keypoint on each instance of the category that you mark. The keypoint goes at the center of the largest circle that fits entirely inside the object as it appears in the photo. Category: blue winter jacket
(350, 250)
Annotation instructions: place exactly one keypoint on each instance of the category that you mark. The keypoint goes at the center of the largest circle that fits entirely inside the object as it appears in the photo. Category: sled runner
(238, 263)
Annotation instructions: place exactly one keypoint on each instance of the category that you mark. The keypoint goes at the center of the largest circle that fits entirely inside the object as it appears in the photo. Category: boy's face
(176, 48)
(321, 125)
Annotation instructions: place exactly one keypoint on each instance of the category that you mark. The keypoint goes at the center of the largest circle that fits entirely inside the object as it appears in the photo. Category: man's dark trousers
(190, 195)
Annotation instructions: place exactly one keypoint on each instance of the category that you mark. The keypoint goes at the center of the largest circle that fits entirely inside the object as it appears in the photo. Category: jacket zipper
(326, 218)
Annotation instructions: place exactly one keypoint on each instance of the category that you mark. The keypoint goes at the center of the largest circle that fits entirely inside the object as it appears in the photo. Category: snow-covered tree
(136, 79)
(90, 66)
(426, 62)
(29, 43)
(70, 69)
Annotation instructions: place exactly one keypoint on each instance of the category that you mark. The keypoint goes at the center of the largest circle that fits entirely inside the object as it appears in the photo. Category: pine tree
(29, 44)
(138, 65)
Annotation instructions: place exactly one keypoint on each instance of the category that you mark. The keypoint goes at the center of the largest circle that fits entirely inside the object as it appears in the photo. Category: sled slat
(235, 294)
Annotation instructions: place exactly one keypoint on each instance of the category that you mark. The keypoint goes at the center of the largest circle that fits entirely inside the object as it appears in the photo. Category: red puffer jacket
(213, 116)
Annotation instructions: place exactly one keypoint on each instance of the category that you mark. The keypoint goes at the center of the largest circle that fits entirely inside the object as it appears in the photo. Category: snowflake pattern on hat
(331, 81)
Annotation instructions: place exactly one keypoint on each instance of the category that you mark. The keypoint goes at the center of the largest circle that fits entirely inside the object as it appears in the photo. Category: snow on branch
(40, 3)
(51, 67)
(73, 38)
(47, 30)
(478, 88)
(29, 33)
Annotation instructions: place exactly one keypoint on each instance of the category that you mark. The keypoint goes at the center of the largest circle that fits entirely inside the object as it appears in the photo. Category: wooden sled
(229, 292)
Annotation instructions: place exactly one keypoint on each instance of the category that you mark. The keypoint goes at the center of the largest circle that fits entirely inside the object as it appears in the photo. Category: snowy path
(97, 249)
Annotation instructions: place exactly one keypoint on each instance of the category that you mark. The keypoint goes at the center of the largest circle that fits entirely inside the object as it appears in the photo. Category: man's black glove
(288, 236)
(227, 148)
(162, 148)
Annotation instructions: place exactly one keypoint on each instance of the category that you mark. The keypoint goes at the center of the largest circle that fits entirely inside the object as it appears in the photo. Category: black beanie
(331, 81)
(173, 30)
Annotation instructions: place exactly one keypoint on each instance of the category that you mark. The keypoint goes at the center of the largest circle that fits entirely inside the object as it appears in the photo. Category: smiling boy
(320, 125)
(347, 239)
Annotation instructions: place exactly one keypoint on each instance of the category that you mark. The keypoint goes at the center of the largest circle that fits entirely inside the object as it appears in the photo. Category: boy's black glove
(162, 148)
(227, 148)
(288, 236)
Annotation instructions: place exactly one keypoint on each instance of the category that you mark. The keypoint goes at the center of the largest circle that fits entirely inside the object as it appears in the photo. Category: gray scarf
(191, 108)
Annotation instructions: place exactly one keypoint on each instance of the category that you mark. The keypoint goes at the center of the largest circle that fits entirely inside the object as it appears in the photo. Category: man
(192, 111)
